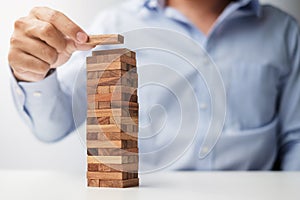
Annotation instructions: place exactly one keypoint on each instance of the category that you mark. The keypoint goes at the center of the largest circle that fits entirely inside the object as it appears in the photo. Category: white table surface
(44, 185)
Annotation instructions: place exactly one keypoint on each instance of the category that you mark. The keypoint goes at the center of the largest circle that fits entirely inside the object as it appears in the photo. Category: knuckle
(47, 30)
(50, 54)
(14, 40)
(19, 23)
(53, 15)
(35, 10)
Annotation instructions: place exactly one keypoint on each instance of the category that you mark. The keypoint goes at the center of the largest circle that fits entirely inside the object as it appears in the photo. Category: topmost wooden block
(105, 39)
(119, 52)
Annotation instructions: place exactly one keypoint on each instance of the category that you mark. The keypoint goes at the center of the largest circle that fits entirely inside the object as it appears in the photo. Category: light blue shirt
(256, 51)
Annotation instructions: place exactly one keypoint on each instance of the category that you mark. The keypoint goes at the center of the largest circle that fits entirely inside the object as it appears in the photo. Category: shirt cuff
(17, 91)
(37, 92)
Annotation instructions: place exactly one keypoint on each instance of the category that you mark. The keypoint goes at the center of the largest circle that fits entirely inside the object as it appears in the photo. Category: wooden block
(103, 98)
(113, 73)
(103, 89)
(92, 105)
(108, 81)
(123, 89)
(131, 144)
(122, 51)
(92, 152)
(93, 183)
(109, 159)
(106, 113)
(93, 167)
(130, 167)
(112, 81)
(125, 104)
(116, 112)
(112, 128)
(107, 175)
(120, 183)
(124, 120)
(110, 97)
(104, 128)
(101, 121)
(106, 89)
(92, 75)
(110, 59)
(105, 39)
(112, 120)
(107, 144)
(117, 152)
(108, 66)
(92, 120)
(104, 120)
(92, 136)
(104, 105)
(102, 136)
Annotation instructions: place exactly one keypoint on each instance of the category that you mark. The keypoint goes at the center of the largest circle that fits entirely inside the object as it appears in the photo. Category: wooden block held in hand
(105, 39)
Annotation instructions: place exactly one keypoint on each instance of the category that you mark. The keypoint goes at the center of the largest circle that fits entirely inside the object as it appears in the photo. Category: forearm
(45, 107)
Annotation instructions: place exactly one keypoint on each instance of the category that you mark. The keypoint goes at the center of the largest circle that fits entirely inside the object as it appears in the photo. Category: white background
(18, 148)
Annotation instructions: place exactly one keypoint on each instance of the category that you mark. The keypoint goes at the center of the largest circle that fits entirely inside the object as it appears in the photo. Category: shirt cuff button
(37, 94)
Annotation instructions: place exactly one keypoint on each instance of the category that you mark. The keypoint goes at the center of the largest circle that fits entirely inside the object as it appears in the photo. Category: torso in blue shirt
(255, 50)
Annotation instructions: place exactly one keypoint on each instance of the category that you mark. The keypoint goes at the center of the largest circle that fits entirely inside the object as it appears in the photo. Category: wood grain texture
(93, 183)
(110, 59)
(95, 67)
(121, 51)
(104, 128)
(106, 144)
(118, 136)
(110, 159)
(107, 175)
(129, 167)
(105, 39)
(120, 183)
(116, 112)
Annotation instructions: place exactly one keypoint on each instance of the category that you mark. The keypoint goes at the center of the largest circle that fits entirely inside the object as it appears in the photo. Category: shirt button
(37, 94)
(19, 91)
(203, 106)
(204, 150)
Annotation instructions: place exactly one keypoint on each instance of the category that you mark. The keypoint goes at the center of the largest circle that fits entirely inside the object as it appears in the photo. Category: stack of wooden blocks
(112, 117)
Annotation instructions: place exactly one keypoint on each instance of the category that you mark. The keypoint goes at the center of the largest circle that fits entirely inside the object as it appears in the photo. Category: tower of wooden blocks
(112, 118)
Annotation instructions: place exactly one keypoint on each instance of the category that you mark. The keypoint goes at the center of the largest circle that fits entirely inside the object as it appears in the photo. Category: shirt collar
(246, 6)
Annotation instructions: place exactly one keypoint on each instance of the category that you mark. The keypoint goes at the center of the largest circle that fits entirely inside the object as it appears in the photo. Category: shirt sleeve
(289, 138)
(45, 107)
(56, 106)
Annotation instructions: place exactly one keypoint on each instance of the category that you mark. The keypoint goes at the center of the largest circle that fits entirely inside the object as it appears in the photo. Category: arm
(45, 107)
(45, 39)
(289, 138)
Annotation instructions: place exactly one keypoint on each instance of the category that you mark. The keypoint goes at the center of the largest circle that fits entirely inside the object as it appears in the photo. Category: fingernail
(81, 37)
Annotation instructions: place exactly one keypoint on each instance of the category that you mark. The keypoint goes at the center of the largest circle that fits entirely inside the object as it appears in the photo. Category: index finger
(61, 22)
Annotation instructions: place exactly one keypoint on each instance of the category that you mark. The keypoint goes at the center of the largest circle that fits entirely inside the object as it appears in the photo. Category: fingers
(27, 67)
(61, 22)
(46, 38)
(36, 48)
(47, 33)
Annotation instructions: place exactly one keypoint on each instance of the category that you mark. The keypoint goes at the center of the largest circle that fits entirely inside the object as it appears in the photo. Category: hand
(42, 40)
